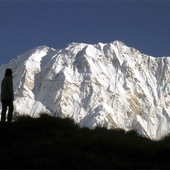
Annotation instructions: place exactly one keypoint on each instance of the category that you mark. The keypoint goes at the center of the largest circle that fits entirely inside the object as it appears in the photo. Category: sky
(26, 24)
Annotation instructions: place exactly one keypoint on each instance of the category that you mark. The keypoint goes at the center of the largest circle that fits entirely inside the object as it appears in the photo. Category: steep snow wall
(108, 85)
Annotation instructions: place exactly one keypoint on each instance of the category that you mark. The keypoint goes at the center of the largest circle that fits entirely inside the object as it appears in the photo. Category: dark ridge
(49, 142)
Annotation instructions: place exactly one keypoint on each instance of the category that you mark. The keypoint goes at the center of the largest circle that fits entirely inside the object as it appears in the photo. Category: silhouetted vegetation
(49, 142)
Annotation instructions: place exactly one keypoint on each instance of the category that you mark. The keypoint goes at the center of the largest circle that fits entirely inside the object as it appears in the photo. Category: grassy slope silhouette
(52, 142)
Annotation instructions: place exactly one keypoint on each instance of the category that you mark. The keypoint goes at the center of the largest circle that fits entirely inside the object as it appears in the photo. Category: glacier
(105, 84)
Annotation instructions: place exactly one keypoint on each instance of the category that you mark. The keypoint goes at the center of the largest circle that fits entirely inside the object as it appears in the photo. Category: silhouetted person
(7, 96)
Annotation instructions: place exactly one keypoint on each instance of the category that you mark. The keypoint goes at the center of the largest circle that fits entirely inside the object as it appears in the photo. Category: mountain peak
(105, 84)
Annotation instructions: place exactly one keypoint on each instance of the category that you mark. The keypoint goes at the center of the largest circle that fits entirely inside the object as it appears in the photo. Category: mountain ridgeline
(109, 85)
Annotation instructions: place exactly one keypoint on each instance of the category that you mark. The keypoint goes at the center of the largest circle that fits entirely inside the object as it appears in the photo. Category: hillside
(50, 142)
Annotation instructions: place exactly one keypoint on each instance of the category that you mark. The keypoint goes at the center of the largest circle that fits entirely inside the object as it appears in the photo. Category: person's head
(8, 72)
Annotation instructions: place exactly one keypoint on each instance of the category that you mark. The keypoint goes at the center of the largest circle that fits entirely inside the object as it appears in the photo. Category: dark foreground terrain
(49, 142)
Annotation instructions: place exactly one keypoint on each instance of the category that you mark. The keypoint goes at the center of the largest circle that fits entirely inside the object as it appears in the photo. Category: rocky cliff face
(108, 85)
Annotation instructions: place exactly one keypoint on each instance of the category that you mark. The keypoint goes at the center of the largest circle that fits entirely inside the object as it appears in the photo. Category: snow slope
(110, 85)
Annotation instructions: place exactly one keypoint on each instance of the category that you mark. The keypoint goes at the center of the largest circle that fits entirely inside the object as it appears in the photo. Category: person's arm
(10, 88)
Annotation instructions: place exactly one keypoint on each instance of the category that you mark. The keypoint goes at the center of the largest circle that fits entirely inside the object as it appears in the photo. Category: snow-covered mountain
(110, 85)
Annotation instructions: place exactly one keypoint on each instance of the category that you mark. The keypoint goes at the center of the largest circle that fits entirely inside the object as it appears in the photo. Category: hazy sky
(24, 25)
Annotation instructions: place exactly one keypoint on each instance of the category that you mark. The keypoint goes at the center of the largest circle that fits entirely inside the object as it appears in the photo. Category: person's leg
(3, 113)
(10, 111)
